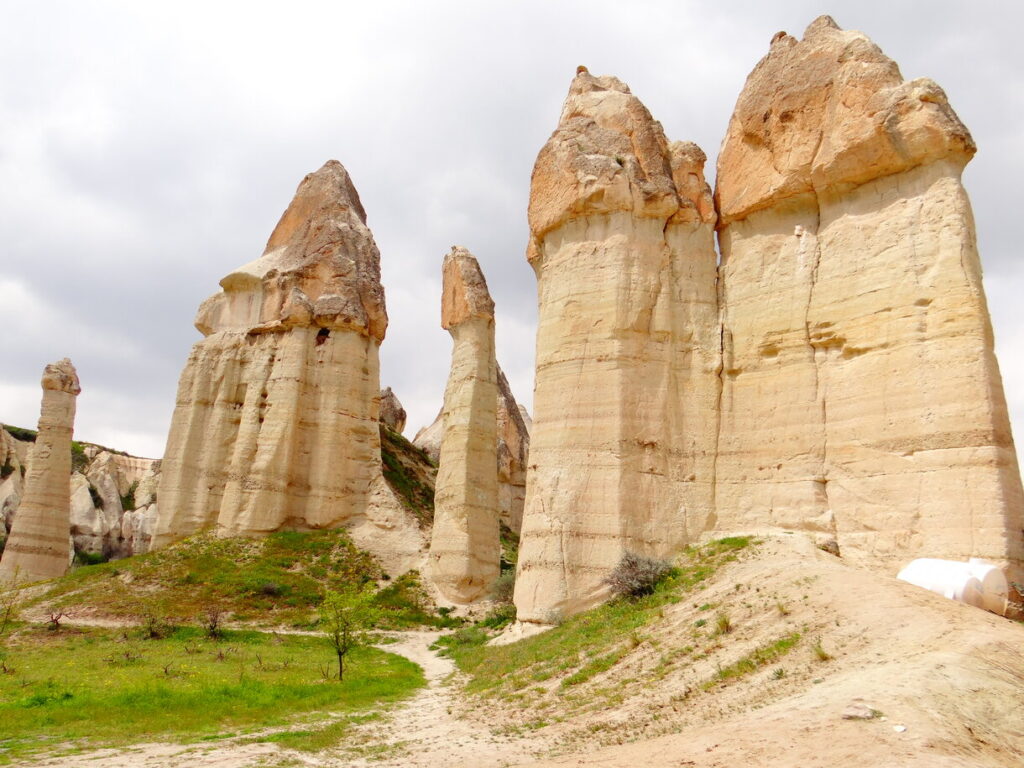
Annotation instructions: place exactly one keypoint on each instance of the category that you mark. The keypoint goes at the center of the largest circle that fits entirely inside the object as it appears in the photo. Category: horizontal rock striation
(465, 549)
(861, 396)
(39, 545)
(625, 405)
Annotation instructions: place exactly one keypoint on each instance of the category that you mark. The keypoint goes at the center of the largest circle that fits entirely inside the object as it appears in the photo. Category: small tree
(10, 602)
(346, 617)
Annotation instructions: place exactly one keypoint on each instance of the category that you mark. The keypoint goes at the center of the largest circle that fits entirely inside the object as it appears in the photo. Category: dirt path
(423, 731)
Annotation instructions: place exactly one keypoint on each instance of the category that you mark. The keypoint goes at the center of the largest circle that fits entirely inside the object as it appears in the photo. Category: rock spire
(624, 424)
(861, 395)
(39, 545)
(464, 549)
(276, 422)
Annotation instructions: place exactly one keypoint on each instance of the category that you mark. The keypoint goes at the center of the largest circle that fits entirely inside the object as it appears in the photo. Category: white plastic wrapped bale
(976, 582)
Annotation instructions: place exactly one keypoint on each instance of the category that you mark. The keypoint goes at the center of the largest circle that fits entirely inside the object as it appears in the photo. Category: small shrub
(504, 586)
(89, 558)
(778, 674)
(212, 619)
(782, 608)
(128, 500)
(97, 500)
(637, 575)
(819, 651)
(6, 469)
(271, 589)
(723, 624)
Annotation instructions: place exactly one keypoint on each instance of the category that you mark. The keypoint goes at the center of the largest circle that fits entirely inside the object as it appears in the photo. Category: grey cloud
(148, 150)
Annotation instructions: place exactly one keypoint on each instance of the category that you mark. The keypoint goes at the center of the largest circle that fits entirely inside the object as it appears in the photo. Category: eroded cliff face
(861, 396)
(625, 405)
(465, 549)
(39, 545)
(276, 418)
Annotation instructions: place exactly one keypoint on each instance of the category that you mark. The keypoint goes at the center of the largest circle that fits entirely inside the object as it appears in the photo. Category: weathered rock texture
(276, 422)
(392, 414)
(861, 396)
(465, 550)
(625, 405)
(513, 450)
(39, 543)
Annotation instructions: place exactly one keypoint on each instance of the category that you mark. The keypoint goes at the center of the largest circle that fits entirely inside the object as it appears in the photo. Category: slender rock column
(465, 549)
(39, 545)
(625, 405)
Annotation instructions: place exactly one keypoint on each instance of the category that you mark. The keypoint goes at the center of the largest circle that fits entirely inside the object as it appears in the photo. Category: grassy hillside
(410, 473)
(272, 581)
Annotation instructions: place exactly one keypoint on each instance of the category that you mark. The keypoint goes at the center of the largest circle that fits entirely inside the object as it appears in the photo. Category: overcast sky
(147, 149)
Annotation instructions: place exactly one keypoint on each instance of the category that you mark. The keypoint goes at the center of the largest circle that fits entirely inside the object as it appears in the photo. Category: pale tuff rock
(428, 439)
(276, 422)
(625, 405)
(464, 547)
(513, 449)
(39, 544)
(861, 396)
(392, 414)
(11, 483)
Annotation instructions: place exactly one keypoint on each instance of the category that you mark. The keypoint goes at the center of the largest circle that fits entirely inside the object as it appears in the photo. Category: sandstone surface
(392, 414)
(464, 548)
(276, 421)
(625, 406)
(861, 395)
(38, 546)
(513, 450)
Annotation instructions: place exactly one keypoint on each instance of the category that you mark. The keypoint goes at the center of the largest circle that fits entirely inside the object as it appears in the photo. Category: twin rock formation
(833, 373)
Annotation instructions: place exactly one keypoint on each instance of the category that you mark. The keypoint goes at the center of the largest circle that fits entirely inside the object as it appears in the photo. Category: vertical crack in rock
(622, 448)
(900, 408)
(275, 424)
(465, 549)
(39, 546)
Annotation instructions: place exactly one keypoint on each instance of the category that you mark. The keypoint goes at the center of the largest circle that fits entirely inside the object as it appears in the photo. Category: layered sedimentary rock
(513, 453)
(39, 543)
(464, 547)
(625, 405)
(392, 414)
(276, 421)
(513, 450)
(861, 396)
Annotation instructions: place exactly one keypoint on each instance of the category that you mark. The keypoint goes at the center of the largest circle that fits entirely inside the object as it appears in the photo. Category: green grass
(275, 580)
(410, 473)
(586, 644)
(756, 659)
(78, 688)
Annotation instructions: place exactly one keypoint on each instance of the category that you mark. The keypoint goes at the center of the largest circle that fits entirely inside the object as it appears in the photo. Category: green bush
(503, 588)
(128, 500)
(6, 469)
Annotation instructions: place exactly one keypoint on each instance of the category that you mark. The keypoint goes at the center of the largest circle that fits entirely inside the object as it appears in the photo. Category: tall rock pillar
(39, 545)
(465, 549)
(625, 406)
(275, 424)
(861, 393)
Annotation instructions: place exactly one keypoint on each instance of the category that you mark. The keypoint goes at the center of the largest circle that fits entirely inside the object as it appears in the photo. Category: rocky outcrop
(513, 449)
(276, 421)
(392, 414)
(861, 396)
(38, 546)
(464, 548)
(625, 405)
